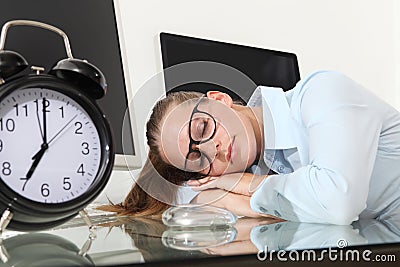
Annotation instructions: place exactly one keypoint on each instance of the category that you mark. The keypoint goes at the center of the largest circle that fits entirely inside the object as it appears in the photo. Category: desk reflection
(127, 240)
(253, 235)
(146, 234)
(41, 249)
(298, 236)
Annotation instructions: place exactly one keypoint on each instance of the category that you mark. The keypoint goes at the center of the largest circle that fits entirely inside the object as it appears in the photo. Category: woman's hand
(239, 183)
(237, 204)
(242, 243)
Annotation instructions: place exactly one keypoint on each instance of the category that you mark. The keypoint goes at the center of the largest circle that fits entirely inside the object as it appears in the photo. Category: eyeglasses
(202, 128)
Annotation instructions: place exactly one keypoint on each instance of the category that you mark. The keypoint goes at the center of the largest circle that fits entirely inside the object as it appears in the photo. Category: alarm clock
(56, 147)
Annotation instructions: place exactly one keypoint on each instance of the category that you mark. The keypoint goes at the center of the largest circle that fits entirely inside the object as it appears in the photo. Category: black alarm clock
(56, 147)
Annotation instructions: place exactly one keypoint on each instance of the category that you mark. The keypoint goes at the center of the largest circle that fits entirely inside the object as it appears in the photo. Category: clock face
(50, 149)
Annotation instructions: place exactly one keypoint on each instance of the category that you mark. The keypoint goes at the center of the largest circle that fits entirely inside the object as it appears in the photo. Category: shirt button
(263, 209)
(281, 168)
(277, 213)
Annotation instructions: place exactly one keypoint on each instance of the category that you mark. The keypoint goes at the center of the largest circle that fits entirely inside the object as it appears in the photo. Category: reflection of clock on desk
(41, 249)
(56, 149)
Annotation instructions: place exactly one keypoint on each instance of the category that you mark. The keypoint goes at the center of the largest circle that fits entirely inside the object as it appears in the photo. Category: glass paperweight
(198, 216)
(198, 238)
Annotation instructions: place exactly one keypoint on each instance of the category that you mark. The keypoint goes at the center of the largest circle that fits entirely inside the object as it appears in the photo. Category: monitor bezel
(122, 161)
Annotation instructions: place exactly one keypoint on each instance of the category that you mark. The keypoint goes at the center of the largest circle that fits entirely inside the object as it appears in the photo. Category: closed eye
(201, 129)
(205, 123)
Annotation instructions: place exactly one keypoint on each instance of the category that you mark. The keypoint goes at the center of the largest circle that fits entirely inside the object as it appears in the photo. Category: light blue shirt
(336, 149)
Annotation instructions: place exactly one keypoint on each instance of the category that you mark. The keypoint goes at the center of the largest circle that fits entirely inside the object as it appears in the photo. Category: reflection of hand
(242, 244)
(239, 183)
(233, 248)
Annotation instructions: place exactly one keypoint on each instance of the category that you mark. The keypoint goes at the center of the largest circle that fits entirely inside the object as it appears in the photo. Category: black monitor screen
(92, 31)
(262, 66)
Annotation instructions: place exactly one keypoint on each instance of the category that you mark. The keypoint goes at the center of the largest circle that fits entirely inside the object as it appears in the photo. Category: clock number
(8, 125)
(24, 107)
(67, 183)
(45, 190)
(81, 170)
(1, 145)
(39, 104)
(79, 127)
(6, 168)
(26, 180)
(85, 148)
(62, 111)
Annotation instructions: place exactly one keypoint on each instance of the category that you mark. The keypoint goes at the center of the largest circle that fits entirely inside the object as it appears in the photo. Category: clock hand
(38, 156)
(62, 129)
(36, 159)
(37, 116)
(44, 135)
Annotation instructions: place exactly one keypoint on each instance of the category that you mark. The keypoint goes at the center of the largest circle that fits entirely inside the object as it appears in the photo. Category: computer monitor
(262, 66)
(93, 30)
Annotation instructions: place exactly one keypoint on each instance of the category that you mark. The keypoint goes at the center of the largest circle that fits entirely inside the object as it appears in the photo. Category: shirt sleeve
(343, 131)
(185, 195)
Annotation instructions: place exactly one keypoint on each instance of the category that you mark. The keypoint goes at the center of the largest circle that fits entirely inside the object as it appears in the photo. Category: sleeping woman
(326, 151)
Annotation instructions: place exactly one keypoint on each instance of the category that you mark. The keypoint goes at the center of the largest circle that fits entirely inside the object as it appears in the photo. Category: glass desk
(251, 242)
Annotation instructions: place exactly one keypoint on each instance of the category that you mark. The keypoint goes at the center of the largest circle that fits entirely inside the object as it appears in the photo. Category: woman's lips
(231, 150)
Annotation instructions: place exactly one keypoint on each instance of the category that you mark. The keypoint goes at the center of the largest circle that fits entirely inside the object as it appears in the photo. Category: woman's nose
(210, 148)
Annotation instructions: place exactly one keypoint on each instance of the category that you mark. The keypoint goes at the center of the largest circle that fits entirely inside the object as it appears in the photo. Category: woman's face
(221, 134)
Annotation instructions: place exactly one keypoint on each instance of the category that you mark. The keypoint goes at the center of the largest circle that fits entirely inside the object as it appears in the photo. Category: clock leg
(85, 216)
(85, 248)
(4, 256)
(5, 220)
(92, 233)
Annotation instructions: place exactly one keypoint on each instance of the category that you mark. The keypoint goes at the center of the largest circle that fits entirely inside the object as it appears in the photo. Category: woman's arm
(340, 123)
(240, 183)
(236, 203)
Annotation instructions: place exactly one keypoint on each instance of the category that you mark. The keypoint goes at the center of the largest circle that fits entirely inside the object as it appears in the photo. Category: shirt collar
(278, 123)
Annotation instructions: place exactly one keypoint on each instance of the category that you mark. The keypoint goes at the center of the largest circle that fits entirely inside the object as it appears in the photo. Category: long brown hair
(138, 201)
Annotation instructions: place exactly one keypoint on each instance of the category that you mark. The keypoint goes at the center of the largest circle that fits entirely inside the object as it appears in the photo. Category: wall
(357, 37)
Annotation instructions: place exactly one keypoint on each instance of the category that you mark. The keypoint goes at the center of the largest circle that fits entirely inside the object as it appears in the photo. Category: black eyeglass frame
(194, 142)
